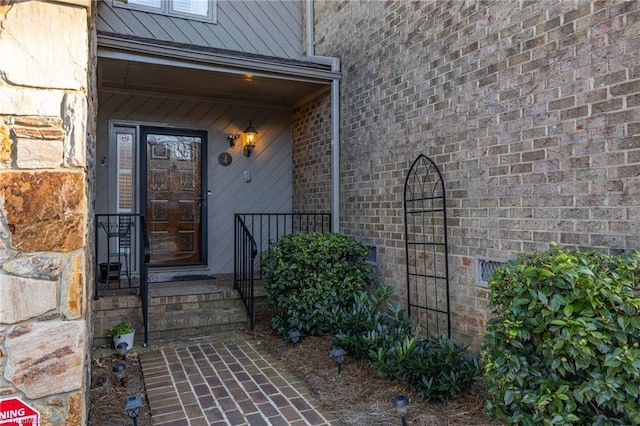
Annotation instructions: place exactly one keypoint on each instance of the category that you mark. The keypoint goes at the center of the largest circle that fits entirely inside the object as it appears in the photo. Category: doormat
(166, 277)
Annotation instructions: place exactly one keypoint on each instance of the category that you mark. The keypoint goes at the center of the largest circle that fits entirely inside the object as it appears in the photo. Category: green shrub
(308, 275)
(562, 347)
(440, 369)
(377, 330)
(370, 324)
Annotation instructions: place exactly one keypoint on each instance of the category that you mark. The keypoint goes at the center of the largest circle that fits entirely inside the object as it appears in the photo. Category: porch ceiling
(227, 86)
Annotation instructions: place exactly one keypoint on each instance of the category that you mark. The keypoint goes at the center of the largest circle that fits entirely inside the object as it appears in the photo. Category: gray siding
(270, 164)
(272, 28)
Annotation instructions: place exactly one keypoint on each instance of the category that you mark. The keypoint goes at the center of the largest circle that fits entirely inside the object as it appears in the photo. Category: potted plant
(122, 332)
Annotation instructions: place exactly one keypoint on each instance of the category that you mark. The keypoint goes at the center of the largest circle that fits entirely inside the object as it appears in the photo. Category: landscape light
(338, 356)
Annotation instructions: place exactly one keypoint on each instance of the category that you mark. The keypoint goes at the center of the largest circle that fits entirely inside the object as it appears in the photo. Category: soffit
(176, 71)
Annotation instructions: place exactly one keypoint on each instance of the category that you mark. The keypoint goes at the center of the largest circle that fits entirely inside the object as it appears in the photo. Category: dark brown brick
(561, 32)
(578, 13)
(545, 143)
(626, 88)
(576, 112)
(521, 168)
(470, 48)
(497, 67)
(488, 80)
(562, 103)
(609, 79)
(633, 100)
(633, 128)
(605, 106)
(633, 156)
(520, 58)
(552, 23)
(534, 155)
(534, 20)
(534, 42)
(536, 64)
(621, 117)
(509, 94)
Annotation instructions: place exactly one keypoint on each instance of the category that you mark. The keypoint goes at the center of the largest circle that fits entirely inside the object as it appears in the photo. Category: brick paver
(230, 382)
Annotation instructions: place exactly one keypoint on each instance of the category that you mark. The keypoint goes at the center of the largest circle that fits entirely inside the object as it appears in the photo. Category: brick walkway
(225, 383)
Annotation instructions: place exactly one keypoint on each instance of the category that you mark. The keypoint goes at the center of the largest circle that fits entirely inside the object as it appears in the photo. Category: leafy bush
(308, 275)
(563, 345)
(316, 283)
(367, 326)
(377, 330)
(440, 369)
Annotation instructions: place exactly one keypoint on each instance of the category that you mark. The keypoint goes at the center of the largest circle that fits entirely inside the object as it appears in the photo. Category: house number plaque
(225, 159)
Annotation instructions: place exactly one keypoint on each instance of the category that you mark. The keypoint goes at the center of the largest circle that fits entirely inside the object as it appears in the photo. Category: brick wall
(312, 157)
(529, 108)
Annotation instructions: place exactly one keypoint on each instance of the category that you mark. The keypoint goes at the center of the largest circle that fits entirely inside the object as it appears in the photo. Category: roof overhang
(137, 65)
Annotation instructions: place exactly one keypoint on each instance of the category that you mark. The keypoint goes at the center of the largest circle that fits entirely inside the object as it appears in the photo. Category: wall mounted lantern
(249, 136)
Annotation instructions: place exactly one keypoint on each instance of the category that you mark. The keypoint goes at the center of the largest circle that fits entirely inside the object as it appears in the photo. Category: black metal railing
(118, 264)
(267, 228)
(114, 257)
(256, 232)
(245, 250)
(145, 255)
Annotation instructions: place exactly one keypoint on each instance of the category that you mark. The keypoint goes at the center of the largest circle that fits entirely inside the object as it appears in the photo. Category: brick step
(194, 322)
(190, 303)
(177, 310)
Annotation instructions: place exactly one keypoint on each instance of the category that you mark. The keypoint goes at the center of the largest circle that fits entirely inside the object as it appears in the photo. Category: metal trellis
(427, 250)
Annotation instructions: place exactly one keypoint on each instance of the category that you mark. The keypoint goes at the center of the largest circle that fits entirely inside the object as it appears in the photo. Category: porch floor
(229, 381)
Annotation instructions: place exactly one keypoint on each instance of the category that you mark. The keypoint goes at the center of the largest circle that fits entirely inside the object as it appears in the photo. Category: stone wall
(44, 338)
(531, 109)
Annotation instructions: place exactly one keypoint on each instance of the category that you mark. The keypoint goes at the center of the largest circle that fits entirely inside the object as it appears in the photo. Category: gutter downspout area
(335, 155)
(335, 117)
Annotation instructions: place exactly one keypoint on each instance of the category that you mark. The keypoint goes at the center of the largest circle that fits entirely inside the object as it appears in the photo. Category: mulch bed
(358, 396)
(106, 407)
(361, 395)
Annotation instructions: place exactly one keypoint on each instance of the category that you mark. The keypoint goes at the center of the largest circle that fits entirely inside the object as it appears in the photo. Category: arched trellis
(427, 253)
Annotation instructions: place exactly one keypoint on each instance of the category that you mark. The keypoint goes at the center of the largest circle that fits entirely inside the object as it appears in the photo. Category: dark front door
(173, 187)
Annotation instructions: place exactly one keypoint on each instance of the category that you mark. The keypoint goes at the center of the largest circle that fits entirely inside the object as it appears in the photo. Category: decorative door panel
(173, 195)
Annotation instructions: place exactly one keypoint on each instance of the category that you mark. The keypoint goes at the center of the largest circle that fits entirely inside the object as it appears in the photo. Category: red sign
(14, 412)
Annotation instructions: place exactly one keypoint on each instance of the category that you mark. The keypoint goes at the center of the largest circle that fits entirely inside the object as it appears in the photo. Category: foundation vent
(484, 269)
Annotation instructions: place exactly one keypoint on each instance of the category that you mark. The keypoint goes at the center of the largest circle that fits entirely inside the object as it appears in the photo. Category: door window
(173, 196)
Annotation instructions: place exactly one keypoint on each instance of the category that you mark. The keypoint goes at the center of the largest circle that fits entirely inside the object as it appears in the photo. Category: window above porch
(200, 10)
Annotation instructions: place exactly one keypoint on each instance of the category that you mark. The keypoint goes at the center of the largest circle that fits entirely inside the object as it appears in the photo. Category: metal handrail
(267, 228)
(259, 231)
(246, 250)
(145, 255)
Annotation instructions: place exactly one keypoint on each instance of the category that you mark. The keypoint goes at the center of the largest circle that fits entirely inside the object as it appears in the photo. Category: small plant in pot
(122, 332)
